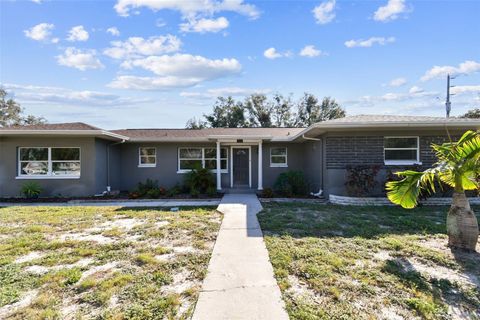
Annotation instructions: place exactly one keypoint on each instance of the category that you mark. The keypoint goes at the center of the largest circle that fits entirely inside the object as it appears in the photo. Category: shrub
(267, 193)
(199, 180)
(153, 193)
(360, 180)
(144, 187)
(211, 191)
(31, 190)
(291, 183)
(176, 190)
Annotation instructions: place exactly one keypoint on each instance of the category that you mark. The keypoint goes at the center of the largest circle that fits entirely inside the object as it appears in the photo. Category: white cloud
(390, 11)
(463, 68)
(310, 51)
(222, 92)
(79, 59)
(137, 46)
(77, 33)
(152, 83)
(189, 9)
(204, 25)
(369, 42)
(325, 12)
(397, 82)
(56, 95)
(415, 90)
(40, 32)
(186, 65)
(465, 89)
(113, 31)
(37, 1)
(272, 53)
(175, 71)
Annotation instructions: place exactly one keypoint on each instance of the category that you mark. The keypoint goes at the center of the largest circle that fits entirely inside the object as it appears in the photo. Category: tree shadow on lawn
(313, 220)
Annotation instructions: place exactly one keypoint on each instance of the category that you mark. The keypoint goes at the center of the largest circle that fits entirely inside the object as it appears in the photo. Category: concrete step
(240, 191)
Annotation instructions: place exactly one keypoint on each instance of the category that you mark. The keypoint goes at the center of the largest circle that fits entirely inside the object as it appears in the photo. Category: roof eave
(87, 133)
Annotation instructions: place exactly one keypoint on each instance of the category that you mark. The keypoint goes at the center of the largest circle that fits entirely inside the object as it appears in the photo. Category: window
(401, 150)
(278, 157)
(190, 158)
(147, 157)
(49, 162)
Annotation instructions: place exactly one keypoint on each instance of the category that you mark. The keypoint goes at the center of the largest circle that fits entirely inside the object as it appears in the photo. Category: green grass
(340, 262)
(131, 281)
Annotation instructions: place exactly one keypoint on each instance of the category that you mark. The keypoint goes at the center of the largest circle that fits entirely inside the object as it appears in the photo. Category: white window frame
(146, 165)
(402, 162)
(49, 161)
(202, 158)
(279, 165)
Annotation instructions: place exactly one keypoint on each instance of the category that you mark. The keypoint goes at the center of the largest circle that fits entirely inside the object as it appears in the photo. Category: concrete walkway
(240, 282)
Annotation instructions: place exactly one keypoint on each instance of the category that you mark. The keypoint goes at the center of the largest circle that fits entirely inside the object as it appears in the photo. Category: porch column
(260, 166)
(219, 176)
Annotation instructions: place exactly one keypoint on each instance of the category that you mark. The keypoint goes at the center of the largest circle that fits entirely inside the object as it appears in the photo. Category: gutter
(310, 138)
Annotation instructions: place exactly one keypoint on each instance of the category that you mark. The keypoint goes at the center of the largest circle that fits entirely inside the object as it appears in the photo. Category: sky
(155, 64)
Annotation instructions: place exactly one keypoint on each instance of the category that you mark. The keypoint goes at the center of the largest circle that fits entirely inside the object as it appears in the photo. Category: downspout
(108, 162)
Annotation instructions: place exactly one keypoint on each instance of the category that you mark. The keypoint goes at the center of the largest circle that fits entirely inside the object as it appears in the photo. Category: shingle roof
(54, 126)
(373, 118)
(177, 134)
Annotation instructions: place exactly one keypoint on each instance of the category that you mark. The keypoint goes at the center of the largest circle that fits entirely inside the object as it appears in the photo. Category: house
(77, 159)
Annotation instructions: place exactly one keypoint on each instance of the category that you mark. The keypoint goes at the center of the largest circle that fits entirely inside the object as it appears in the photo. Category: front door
(241, 171)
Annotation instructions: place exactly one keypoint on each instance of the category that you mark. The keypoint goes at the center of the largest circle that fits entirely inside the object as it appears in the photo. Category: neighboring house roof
(275, 134)
(64, 129)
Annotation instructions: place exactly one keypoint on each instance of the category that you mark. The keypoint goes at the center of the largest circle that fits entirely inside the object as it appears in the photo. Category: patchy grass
(339, 262)
(103, 262)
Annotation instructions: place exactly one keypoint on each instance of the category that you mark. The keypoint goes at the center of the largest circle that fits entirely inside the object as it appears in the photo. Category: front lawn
(339, 262)
(103, 262)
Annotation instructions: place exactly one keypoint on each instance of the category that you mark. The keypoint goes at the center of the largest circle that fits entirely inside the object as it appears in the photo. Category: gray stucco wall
(366, 148)
(165, 171)
(10, 185)
(301, 156)
(100, 165)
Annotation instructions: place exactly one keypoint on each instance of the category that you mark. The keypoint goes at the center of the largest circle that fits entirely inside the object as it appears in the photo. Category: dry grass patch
(336, 262)
(103, 262)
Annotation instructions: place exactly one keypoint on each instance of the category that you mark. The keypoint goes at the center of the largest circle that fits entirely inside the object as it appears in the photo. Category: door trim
(249, 164)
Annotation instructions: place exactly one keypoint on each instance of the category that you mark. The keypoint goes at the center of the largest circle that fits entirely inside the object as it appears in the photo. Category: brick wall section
(353, 150)
(427, 156)
(368, 150)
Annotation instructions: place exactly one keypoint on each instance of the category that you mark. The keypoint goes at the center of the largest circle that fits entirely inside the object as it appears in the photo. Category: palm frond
(405, 192)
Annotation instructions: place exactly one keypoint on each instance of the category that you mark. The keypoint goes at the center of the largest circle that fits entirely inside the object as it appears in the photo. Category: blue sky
(143, 63)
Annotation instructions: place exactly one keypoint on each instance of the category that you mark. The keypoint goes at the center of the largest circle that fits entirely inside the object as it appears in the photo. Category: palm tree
(458, 166)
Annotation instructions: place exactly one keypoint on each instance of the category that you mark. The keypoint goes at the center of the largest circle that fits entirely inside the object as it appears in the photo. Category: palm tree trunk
(462, 225)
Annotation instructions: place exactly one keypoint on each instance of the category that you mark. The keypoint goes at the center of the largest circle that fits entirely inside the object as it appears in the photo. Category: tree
(259, 111)
(282, 115)
(195, 124)
(310, 111)
(458, 166)
(473, 114)
(11, 113)
(226, 114)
